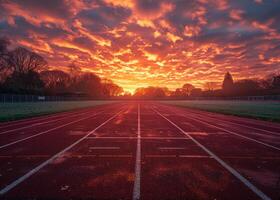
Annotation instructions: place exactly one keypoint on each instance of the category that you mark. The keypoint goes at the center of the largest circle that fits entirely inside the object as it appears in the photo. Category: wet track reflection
(131, 151)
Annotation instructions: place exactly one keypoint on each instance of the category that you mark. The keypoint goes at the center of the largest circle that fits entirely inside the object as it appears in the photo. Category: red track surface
(140, 150)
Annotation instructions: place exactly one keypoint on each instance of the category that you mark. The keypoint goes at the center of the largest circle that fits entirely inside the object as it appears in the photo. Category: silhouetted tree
(227, 85)
(210, 86)
(56, 81)
(22, 60)
(196, 92)
(187, 89)
(150, 92)
(88, 83)
(178, 93)
(276, 82)
(247, 87)
(110, 89)
(4, 55)
(28, 83)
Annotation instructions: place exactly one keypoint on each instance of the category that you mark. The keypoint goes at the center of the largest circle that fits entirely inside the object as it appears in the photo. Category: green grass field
(13, 111)
(265, 110)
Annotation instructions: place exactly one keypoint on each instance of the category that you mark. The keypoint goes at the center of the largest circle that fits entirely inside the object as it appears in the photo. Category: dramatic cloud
(138, 43)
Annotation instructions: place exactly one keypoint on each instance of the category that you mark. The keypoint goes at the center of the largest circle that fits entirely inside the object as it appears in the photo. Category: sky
(139, 43)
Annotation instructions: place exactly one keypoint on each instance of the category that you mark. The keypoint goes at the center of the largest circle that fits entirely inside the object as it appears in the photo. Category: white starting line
(142, 138)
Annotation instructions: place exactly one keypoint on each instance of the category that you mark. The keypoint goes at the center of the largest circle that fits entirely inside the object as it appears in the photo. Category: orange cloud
(138, 43)
(236, 14)
(191, 31)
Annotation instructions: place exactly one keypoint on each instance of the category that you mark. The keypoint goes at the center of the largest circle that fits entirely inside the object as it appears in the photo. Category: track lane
(29, 133)
(180, 169)
(15, 126)
(258, 163)
(13, 158)
(96, 165)
(259, 125)
(172, 166)
(266, 139)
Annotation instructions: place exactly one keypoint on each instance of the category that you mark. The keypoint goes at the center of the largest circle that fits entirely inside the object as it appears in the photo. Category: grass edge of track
(19, 116)
(226, 112)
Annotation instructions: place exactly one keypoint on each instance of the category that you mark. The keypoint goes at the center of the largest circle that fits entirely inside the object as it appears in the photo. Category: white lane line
(10, 186)
(114, 156)
(49, 130)
(136, 188)
(165, 138)
(246, 182)
(142, 138)
(101, 148)
(194, 156)
(160, 156)
(246, 126)
(104, 137)
(31, 120)
(171, 148)
(41, 123)
(237, 134)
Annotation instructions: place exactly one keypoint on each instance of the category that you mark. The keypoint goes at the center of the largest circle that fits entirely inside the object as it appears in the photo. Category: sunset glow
(139, 43)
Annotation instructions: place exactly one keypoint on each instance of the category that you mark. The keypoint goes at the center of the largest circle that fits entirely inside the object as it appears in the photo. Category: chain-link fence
(14, 98)
(242, 98)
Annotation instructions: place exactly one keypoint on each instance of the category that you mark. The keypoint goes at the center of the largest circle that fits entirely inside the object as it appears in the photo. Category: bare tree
(111, 89)
(4, 55)
(55, 81)
(210, 86)
(22, 60)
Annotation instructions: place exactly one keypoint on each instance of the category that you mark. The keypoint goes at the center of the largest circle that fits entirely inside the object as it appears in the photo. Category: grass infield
(264, 110)
(14, 111)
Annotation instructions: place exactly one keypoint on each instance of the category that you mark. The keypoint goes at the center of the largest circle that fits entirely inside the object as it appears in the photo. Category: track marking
(247, 126)
(234, 133)
(194, 156)
(58, 116)
(10, 186)
(142, 138)
(223, 163)
(251, 127)
(31, 120)
(41, 123)
(183, 156)
(102, 138)
(171, 148)
(101, 148)
(136, 188)
(49, 130)
(237, 134)
(160, 156)
(114, 156)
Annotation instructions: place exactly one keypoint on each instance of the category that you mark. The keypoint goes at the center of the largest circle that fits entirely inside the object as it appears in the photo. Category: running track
(139, 150)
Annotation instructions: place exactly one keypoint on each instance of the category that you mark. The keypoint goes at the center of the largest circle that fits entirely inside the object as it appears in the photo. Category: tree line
(25, 72)
(229, 88)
